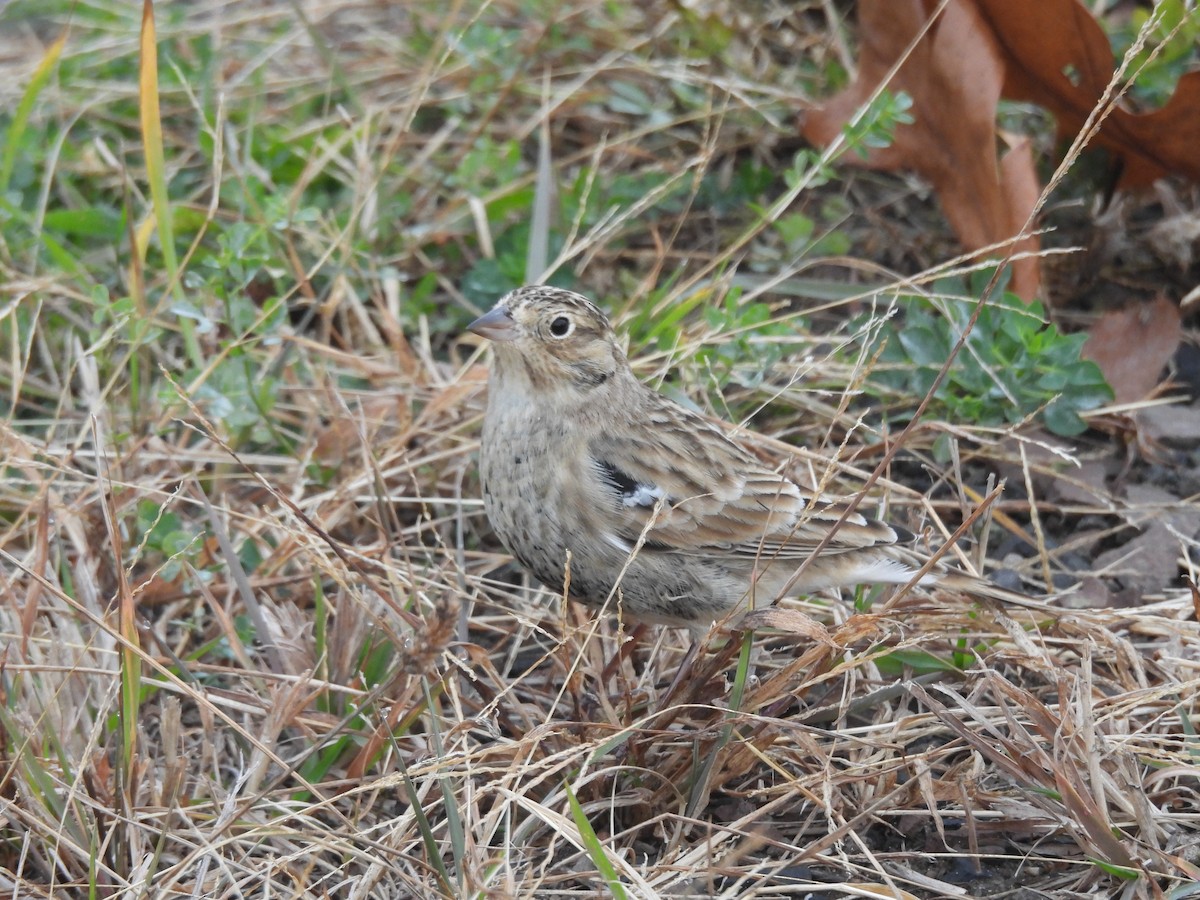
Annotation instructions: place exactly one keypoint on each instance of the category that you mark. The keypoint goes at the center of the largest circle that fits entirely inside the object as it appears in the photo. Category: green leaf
(595, 849)
(1062, 420)
(12, 140)
(925, 346)
(795, 229)
(90, 221)
(1054, 381)
(1125, 873)
(918, 661)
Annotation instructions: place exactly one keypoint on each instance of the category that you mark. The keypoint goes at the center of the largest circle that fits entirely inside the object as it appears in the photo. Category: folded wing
(690, 489)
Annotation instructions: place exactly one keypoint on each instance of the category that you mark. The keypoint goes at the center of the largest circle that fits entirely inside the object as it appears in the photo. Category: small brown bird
(591, 476)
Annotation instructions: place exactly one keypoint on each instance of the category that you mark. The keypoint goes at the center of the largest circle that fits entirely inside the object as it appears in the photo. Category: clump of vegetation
(1013, 365)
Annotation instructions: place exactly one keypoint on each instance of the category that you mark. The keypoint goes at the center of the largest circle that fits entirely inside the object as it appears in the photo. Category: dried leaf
(1133, 345)
(954, 75)
(1087, 814)
(1050, 52)
(1057, 55)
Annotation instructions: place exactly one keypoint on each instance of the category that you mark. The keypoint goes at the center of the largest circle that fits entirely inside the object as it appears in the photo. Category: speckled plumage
(579, 458)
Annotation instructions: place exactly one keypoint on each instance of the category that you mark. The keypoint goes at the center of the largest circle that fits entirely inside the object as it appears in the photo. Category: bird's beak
(495, 325)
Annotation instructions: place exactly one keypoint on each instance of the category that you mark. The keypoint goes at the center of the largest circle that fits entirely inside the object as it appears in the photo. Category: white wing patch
(631, 492)
(642, 495)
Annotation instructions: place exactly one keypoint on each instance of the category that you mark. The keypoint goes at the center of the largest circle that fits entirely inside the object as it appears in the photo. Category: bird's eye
(561, 327)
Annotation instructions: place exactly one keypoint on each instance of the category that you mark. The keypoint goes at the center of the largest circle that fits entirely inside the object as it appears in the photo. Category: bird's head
(553, 340)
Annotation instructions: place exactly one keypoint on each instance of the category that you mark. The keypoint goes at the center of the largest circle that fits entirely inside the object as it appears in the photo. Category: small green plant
(751, 333)
(1014, 362)
(801, 237)
(744, 338)
(165, 534)
(875, 127)
(749, 183)
(235, 272)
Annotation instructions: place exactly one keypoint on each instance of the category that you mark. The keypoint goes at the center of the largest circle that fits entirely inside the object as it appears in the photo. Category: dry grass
(258, 638)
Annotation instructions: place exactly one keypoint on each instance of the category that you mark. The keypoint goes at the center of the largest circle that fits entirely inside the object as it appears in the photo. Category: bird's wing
(682, 483)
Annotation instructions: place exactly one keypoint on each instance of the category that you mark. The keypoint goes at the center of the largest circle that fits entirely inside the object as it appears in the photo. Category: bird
(611, 493)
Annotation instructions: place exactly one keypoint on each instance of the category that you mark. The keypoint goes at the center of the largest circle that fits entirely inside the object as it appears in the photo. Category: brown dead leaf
(1050, 52)
(1056, 55)
(1098, 834)
(954, 76)
(1133, 345)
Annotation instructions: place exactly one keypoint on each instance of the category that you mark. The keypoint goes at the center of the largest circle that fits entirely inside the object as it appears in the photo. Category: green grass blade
(432, 852)
(454, 824)
(594, 848)
(699, 788)
(12, 143)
